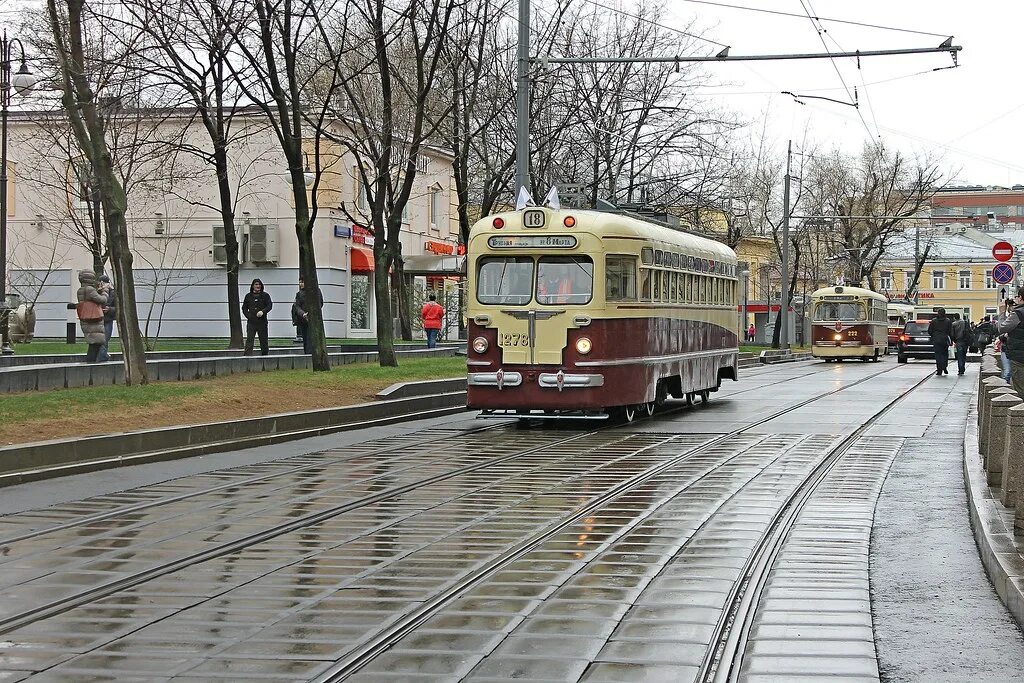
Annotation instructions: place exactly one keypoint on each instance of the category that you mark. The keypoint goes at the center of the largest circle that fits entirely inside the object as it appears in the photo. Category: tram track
(386, 638)
(62, 605)
(724, 658)
(93, 518)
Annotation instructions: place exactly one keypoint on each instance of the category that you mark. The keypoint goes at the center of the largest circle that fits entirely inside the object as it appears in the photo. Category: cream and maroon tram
(848, 322)
(584, 312)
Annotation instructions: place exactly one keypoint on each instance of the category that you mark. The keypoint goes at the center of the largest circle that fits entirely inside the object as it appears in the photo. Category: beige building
(958, 273)
(176, 233)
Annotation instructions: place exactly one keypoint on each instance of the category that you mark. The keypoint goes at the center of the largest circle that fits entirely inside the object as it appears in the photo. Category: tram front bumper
(546, 380)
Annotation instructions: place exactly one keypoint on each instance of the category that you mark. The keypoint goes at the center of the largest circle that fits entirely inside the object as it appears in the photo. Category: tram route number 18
(506, 339)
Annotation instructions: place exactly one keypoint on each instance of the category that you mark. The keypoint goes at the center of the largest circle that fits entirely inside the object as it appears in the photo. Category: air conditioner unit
(263, 246)
(220, 251)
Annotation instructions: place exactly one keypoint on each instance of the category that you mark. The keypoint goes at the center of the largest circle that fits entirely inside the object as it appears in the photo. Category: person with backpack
(90, 314)
(963, 339)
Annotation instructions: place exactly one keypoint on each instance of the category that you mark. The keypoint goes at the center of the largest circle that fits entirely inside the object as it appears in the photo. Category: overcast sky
(972, 115)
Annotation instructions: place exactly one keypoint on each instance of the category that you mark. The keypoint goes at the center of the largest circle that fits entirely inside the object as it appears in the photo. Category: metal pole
(5, 95)
(523, 100)
(783, 317)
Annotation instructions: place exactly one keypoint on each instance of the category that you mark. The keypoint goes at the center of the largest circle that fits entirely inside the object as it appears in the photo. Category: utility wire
(829, 19)
(653, 23)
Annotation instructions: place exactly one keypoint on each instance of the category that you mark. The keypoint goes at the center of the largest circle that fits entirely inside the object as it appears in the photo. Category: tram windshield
(840, 310)
(565, 279)
(507, 281)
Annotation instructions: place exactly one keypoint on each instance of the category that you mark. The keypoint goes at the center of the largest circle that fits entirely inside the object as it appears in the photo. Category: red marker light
(569, 221)
(498, 223)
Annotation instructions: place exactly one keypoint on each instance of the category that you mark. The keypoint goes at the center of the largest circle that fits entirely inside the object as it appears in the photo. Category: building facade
(958, 273)
(177, 236)
(972, 205)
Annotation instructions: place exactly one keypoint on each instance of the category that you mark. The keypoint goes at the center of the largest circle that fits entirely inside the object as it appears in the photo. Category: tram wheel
(689, 398)
(623, 414)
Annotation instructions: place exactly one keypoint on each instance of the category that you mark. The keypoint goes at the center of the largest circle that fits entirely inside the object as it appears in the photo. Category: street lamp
(22, 82)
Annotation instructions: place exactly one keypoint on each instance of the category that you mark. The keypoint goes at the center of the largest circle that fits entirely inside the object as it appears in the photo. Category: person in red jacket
(432, 314)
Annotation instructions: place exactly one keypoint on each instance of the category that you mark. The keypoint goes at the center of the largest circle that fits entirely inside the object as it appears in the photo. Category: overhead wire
(828, 19)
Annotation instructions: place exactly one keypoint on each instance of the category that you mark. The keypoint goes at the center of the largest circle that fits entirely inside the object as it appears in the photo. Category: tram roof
(848, 291)
(608, 225)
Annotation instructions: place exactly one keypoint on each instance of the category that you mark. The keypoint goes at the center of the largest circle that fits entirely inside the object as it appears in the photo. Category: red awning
(362, 260)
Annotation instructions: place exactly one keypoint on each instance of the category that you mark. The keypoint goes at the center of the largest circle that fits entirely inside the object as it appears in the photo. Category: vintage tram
(848, 322)
(590, 313)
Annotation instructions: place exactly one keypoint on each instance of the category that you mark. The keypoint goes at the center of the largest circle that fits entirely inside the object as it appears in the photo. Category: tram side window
(506, 281)
(666, 290)
(620, 278)
(565, 279)
(673, 288)
(645, 284)
(683, 277)
(657, 285)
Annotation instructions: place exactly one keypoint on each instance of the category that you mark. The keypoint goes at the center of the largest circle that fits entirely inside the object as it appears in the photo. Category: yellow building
(958, 273)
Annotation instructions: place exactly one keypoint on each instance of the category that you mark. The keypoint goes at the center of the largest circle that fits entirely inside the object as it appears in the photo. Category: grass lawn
(38, 416)
(43, 347)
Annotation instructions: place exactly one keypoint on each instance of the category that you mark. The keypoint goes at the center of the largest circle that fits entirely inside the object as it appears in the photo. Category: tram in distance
(848, 322)
(899, 314)
(587, 313)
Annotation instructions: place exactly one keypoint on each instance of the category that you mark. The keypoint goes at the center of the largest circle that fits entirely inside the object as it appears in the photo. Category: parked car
(914, 342)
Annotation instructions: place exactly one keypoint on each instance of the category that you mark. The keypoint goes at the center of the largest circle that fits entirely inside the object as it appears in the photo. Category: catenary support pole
(523, 99)
(783, 317)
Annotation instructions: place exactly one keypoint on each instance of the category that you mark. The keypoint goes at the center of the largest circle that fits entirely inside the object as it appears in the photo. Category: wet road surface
(486, 552)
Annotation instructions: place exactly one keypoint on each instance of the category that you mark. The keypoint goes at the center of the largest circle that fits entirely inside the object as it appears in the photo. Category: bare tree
(388, 62)
(67, 25)
(873, 197)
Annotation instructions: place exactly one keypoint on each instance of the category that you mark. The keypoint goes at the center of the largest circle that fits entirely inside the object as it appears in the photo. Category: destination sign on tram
(531, 242)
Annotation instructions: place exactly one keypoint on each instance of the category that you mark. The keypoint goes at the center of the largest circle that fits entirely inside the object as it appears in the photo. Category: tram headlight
(480, 345)
(838, 337)
(583, 346)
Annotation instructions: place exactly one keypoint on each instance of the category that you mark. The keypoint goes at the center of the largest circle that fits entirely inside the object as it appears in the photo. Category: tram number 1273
(506, 339)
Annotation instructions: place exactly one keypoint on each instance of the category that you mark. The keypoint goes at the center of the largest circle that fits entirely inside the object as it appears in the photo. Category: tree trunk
(307, 267)
(227, 214)
(402, 287)
(382, 310)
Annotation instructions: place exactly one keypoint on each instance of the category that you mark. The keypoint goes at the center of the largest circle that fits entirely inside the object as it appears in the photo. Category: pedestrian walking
(432, 314)
(300, 313)
(963, 339)
(1012, 325)
(751, 333)
(106, 288)
(90, 314)
(940, 332)
(255, 307)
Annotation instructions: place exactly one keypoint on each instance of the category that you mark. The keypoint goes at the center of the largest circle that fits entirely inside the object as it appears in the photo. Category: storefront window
(360, 318)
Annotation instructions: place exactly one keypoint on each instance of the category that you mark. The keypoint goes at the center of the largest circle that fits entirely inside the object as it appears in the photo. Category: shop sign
(361, 235)
(440, 248)
(342, 230)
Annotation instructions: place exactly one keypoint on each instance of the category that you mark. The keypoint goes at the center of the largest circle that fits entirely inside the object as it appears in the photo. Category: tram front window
(505, 281)
(565, 279)
(835, 310)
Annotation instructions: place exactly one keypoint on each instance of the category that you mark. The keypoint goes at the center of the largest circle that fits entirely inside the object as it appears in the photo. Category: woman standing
(90, 314)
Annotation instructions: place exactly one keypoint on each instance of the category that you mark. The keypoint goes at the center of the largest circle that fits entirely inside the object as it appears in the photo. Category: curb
(992, 525)
(48, 459)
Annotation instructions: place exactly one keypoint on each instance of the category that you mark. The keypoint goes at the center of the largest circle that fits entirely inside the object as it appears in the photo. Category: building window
(885, 279)
(938, 279)
(435, 208)
(989, 282)
(362, 201)
(965, 279)
(991, 311)
(908, 280)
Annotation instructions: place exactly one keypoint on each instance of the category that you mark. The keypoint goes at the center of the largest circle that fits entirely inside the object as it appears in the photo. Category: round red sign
(1002, 251)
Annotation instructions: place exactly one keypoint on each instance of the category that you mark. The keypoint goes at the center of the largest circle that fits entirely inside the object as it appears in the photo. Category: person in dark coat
(963, 339)
(106, 288)
(1011, 324)
(300, 313)
(940, 331)
(92, 325)
(255, 307)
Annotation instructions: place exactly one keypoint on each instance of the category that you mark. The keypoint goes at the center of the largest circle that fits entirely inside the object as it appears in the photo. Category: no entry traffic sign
(1002, 251)
(1003, 273)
